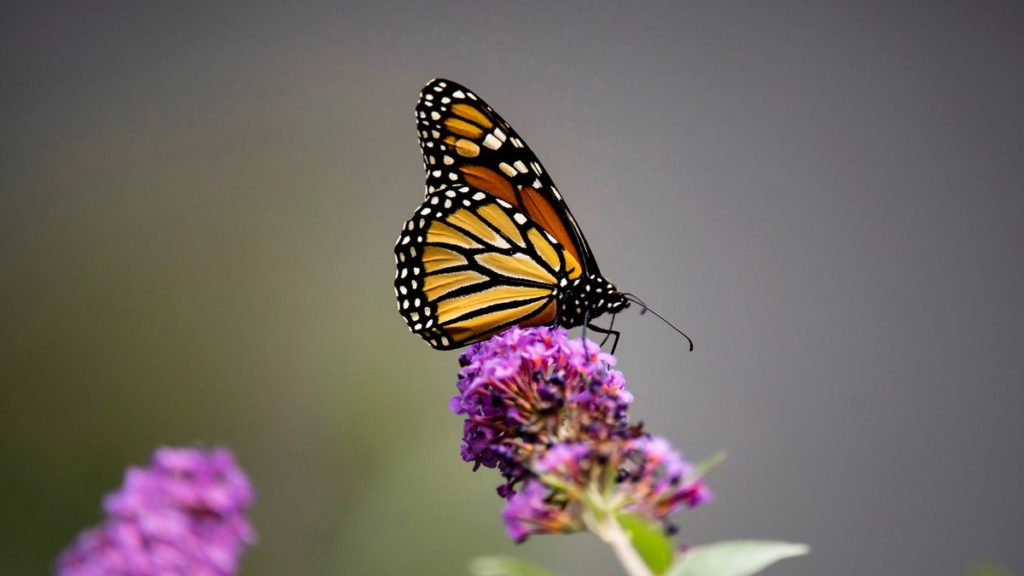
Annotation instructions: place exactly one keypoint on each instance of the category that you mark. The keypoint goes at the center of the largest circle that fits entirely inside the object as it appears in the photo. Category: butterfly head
(587, 298)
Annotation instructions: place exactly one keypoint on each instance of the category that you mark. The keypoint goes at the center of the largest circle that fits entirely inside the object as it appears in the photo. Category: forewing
(465, 142)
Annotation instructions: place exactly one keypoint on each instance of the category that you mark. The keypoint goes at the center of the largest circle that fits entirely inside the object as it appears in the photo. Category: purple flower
(657, 480)
(533, 511)
(528, 388)
(183, 515)
(564, 460)
(550, 414)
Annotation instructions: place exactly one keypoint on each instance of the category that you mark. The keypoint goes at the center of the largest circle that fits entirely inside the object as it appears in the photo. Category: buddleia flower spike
(551, 415)
(184, 514)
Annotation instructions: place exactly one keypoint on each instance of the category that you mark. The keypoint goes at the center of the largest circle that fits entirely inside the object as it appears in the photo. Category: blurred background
(198, 205)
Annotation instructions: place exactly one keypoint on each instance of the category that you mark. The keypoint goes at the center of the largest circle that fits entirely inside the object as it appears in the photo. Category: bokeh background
(198, 204)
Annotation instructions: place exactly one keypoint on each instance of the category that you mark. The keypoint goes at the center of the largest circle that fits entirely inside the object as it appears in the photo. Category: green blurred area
(190, 258)
(195, 248)
(169, 283)
(990, 569)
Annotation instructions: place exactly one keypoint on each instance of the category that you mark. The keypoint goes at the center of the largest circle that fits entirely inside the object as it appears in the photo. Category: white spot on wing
(491, 142)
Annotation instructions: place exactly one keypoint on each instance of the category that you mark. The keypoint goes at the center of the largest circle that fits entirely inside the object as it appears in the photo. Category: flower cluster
(550, 414)
(183, 515)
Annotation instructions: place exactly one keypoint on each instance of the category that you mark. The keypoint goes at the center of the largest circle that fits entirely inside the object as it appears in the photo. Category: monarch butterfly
(493, 244)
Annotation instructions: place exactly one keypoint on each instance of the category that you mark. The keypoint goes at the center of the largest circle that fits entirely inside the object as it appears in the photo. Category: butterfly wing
(471, 264)
(465, 142)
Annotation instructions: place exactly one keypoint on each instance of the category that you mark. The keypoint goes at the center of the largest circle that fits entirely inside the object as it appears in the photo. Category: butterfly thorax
(588, 297)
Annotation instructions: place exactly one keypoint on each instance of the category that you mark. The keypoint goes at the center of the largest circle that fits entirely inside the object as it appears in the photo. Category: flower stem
(602, 522)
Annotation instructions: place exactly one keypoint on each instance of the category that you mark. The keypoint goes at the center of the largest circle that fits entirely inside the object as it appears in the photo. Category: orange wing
(471, 264)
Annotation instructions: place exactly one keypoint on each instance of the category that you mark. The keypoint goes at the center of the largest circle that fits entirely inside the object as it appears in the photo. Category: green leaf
(649, 540)
(734, 558)
(505, 566)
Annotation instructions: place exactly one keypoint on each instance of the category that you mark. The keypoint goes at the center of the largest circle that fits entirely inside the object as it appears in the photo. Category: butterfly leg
(611, 328)
(586, 322)
(609, 334)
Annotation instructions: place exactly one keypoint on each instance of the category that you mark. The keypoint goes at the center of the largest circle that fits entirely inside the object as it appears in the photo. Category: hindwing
(471, 264)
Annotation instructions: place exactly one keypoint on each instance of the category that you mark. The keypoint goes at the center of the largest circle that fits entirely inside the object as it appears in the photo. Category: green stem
(601, 521)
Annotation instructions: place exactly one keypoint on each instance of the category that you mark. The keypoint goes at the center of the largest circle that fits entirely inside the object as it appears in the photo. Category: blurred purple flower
(183, 515)
(532, 511)
(551, 416)
(656, 479)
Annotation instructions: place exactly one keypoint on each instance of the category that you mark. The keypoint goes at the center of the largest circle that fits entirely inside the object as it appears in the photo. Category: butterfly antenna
(646, 308)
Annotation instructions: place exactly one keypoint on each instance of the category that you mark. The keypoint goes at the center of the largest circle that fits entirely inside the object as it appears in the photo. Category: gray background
(198, 205)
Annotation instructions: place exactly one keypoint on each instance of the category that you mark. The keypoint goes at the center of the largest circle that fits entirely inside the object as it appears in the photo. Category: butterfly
(493, 244)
